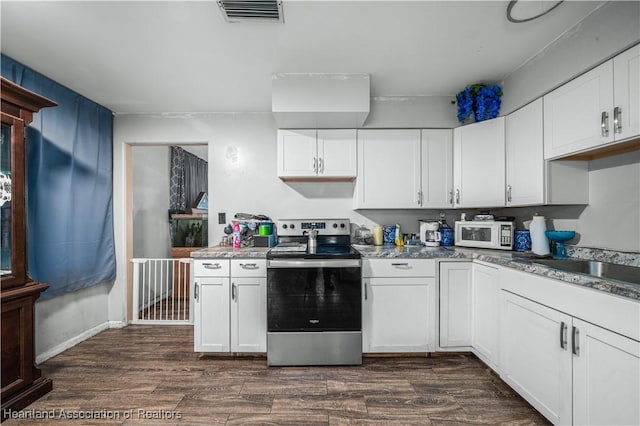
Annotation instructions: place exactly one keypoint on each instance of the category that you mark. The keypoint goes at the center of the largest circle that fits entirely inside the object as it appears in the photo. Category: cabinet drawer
(249, 268)
(211, 267)
(398, 268)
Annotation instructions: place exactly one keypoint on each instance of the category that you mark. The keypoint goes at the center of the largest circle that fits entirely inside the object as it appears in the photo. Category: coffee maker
(429, 233)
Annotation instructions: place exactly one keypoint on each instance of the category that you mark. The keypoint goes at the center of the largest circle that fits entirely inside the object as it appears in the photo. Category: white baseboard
(74, 341)
(117, 324)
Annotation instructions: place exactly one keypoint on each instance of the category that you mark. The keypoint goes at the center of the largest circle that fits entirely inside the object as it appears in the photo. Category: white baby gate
(162, 291)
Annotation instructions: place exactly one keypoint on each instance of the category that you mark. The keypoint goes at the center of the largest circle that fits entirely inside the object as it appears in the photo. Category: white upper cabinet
(597, 108)
(388, 169)
(525, 162)
(437, 168)
(317, 154)
(626, 94)
(479, 164)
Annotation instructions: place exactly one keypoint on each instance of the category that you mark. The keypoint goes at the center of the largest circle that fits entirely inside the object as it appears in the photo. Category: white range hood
(316, 101)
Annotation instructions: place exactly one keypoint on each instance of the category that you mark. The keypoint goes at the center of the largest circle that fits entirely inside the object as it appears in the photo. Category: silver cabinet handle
(457, 196)
(617, 120)
(419, 198)
(508, 192)
(400, 264)
(315, 164)
(195, 292)
(249, 266)
(563, 335)
(450, 197)
(233, 291)
(365, 290)
(212, 265)
(320, 165)
(604, 124)
(575, 341)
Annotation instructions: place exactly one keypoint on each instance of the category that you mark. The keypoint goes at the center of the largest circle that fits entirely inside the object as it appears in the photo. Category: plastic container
(539, 241)
(236, 235)
(399, 241)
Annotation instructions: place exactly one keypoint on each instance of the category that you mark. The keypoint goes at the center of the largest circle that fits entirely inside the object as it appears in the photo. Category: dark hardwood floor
(150, 375)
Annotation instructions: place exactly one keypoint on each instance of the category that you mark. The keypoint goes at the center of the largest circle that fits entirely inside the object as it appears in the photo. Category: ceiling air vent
(251, 10)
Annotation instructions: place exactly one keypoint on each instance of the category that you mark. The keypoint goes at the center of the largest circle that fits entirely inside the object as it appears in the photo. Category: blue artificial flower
(481, 100)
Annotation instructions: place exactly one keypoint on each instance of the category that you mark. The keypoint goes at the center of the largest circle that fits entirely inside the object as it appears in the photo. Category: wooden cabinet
(598, 108)
(455, 304)
(248, 305)
(230, 305)
(479, 164)
(485, 324)
(323, 154)
(22, 382)
(211, 324)
(404, 168)
(388, 169)
(398, 311)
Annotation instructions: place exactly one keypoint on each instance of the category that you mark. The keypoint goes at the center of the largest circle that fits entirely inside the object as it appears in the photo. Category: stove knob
(292, 226)
(284, 226)
(342, 225)
(335, 225)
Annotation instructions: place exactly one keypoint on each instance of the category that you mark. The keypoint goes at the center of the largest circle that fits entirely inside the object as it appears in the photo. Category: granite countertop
(507, 259)
(222, 252)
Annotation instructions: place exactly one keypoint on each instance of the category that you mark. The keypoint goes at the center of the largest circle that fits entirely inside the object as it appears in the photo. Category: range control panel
(301, 227)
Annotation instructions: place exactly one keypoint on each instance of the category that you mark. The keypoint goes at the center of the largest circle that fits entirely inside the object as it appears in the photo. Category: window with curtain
(188, 178)
(69, 185)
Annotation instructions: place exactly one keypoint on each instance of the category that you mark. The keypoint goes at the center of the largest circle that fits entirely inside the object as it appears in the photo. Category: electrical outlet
(222, 218)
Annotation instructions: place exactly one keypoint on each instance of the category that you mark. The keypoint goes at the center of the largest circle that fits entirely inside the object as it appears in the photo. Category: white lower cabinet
(230, 305)
(485, 319)
(398, 310)
(248, 306)
(606, 377)
(572, 371)
(211, 305)
(455, 304)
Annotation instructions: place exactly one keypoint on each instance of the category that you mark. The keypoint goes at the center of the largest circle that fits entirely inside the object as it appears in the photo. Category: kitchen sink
(613, 271)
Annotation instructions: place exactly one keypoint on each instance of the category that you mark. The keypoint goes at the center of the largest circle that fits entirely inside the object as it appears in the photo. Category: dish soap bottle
(236, 235)
(399, 241)
(539, 240)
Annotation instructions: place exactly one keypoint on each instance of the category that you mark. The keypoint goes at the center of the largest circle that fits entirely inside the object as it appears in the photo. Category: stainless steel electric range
(314, 304)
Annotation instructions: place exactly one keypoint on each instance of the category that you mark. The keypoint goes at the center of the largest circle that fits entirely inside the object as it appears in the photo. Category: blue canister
(389, 234)
(522, 240)
(446, 235)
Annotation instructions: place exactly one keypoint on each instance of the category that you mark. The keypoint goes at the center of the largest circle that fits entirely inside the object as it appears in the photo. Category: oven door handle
(314, 263)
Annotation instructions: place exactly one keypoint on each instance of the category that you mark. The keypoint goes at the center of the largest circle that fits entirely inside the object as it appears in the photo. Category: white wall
(65, 320)
(150, 184)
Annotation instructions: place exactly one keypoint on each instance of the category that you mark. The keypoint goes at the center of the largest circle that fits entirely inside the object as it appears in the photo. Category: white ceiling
(161, 56)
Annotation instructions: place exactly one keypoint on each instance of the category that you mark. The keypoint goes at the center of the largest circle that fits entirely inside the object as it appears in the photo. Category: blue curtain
(69, 187)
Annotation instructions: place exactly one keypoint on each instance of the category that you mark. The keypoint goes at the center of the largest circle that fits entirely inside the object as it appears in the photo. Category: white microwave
(485, 234)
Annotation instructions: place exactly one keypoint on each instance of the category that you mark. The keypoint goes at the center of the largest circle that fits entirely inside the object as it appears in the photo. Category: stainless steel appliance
(485, 234)
(314, 303)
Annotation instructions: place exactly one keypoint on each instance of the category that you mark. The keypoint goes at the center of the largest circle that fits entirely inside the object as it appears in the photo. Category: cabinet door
(573, 113)
(626, 83)
(388, 169)
(437, 168)
(525, 159)
(248, 314)
(398, 314)
(455, 304)
(211, 321)
(606, 377)
(532, 359)
(485, 318)
(479, 166)
(297, 155)
(337, 153)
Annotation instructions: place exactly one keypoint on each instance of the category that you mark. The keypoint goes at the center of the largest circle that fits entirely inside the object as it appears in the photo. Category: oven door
(314, 295)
